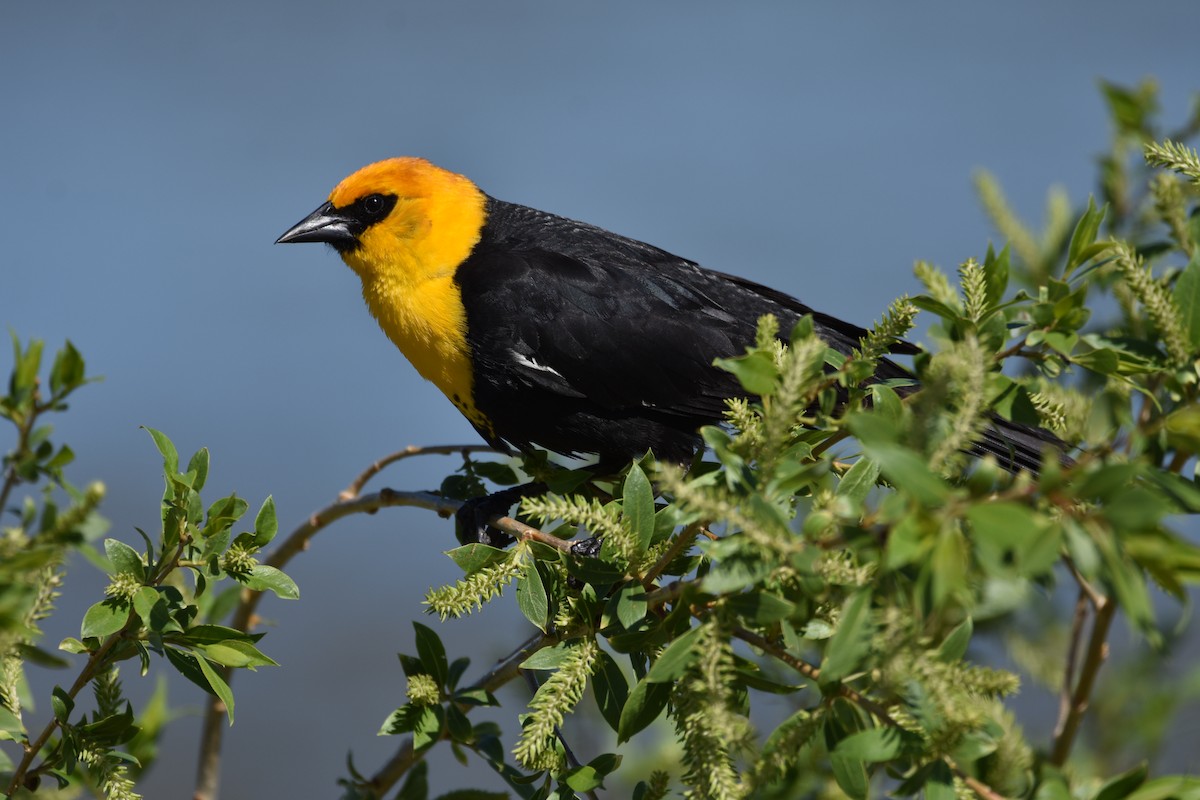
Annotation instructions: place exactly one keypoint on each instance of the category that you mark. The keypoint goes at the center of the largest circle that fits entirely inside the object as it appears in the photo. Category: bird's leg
(471, 520)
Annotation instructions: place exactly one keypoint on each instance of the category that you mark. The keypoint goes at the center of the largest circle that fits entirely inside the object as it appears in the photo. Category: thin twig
(1064, 697)
(682, 542)
(356, 486)
(1094, 597)
(88, 672)
(1097, 652)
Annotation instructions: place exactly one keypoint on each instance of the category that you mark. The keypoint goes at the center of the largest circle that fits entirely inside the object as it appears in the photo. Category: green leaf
(124, 558)
(67, 372)
(166, 449)
(851, 775)
(198, 466)
(265, 524)
(756, 371)
(457, 725)
(927, 303)
(104, 619)
(532, 598)
(62, 704)
(675, 660)
(871, 746)
(1083, 239)
(236, 654)
(432, 653)
(146, 604)
(646, 703)
(858, 482)
(760, 608)
(496, 472)
(954, 646)
(428, 728)
(223, 513)
(218, 685)
(548, 657)
(402, 720)
(265, 578)
(1012, 539)
(631, 604)
(585, 778)
(1187, 298)
(11, 727)
(473, 557)
(1170, 787)
(940, 783)
(996, 269)
(1123, 785)
(903, 467)
(637, 507)
(850, 643)
(949, 567)
(610, 690)
(214, 634)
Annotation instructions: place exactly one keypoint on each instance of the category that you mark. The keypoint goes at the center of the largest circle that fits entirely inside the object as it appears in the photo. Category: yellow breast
(407, 264)
(428, 324)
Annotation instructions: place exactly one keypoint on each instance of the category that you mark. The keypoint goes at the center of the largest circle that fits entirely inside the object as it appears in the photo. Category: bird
(549, 332)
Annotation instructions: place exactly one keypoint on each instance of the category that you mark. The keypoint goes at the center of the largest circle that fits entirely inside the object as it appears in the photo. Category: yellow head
(403, 219)
(405, 225)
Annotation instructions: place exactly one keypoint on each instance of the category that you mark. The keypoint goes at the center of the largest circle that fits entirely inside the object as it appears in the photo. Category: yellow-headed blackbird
(547, 331)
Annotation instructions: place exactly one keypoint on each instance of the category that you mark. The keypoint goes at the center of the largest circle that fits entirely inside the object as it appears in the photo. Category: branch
(1097, 652)
(209, 768)
(682, 542)
(89, 671)
(356, 486)
(24, 429)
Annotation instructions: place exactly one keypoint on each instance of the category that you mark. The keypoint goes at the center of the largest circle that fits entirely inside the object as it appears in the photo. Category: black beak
(326, 224)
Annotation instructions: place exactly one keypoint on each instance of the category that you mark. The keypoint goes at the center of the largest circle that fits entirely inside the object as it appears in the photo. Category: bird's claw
(472, 518)
(587, 548)
(471, 522)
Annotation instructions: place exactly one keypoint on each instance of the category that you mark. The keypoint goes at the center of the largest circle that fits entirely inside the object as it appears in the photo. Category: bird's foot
(471, 520)
(587, 548)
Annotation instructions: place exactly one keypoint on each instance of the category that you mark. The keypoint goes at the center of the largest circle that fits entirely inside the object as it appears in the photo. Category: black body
(588, 342)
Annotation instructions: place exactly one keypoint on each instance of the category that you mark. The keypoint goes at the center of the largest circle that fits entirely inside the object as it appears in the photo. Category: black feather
(583, 341)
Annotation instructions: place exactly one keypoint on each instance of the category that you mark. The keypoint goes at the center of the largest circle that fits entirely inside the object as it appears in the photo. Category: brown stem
(681, 543)
(356, 486)
(89, 671)
(1064, 697)
(1097, 652)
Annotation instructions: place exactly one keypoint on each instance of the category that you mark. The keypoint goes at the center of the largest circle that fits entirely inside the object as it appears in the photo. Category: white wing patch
(525, 361)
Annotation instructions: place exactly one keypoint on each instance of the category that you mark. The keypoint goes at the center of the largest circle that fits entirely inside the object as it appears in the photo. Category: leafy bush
(835, 548)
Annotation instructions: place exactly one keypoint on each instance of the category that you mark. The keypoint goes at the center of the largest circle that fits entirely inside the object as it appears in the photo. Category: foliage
(839, 548)
(835, 552)
(150, 606)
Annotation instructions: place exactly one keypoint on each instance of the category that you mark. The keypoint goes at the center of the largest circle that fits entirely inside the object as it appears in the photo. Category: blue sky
(155, 151)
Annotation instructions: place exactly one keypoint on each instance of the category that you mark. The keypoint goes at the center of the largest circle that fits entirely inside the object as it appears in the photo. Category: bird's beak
(325, 224)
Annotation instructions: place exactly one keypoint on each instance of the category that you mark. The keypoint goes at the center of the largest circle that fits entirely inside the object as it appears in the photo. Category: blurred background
(154, 151)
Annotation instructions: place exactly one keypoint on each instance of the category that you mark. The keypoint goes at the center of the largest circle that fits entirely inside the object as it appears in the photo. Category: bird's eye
(373, 204)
